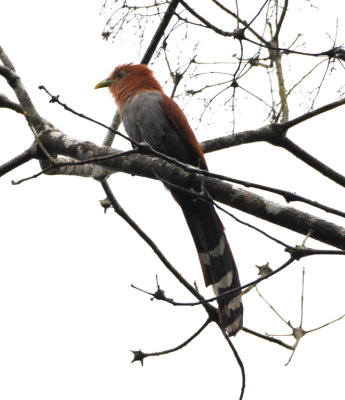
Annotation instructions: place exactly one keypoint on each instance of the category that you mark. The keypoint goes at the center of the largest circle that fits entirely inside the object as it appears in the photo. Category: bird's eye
(120, 74)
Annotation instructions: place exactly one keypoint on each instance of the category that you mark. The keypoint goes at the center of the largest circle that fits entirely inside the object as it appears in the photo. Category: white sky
(68, 317)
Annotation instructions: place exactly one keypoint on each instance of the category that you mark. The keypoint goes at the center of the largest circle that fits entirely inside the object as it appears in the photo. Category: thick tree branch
(5, 60)
(272, 133)
(17, 161)
(16, 84)
(244, 200)
(275, 134)
(5, 102)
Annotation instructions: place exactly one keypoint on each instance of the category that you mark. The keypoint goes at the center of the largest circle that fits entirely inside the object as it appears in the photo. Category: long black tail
(216, 259)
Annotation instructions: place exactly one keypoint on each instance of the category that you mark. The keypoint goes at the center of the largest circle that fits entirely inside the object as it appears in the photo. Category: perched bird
(150, 116)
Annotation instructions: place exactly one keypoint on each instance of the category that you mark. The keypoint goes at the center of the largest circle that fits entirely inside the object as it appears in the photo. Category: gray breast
(145, 120)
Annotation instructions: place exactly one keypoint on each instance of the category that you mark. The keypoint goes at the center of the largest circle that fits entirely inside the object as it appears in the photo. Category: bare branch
(206, 23)
(5, 102)
(326, 324)
(267, 337)
(269, 133)
(160, 31)
(140, 355)
(224, 294)
(24, 99)
(6, 60)
(16, 162)
(240, 20)
(109, 138)
(313, 162)
(151, 167)
(213, 315)
(239, 362)
(281, 20)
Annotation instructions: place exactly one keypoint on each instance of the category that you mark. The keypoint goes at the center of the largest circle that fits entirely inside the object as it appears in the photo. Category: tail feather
(216, 259)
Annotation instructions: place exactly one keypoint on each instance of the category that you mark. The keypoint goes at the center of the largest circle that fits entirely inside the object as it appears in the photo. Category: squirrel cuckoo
(150, 116)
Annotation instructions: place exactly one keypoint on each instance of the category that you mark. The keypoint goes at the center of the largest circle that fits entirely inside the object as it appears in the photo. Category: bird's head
(119, 72)
(127, 80)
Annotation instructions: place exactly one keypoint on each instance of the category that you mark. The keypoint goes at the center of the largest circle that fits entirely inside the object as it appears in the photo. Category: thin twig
(224, 294)
(239, 362)
(121, 212)
(140, 355)
(326, 324)
(272, 308)
(268, 338)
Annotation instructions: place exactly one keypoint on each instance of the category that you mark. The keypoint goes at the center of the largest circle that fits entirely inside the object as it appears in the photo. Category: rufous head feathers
(129, 79)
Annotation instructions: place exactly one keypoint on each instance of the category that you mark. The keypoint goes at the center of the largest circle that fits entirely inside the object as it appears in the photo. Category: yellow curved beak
(104, 83)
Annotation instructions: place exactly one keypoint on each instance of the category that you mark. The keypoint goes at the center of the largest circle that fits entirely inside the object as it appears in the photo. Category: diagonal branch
(169, 13)
(275, 134)
(16, 84)
(241, 199)
(6, 60)
(109, 138)
(205, 23)
(313, 162)
(268, 338)
(16, 162)
(121, 212)
(5, 102)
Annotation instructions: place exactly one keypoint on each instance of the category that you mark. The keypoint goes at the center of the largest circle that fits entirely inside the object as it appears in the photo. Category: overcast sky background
(68, 316)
